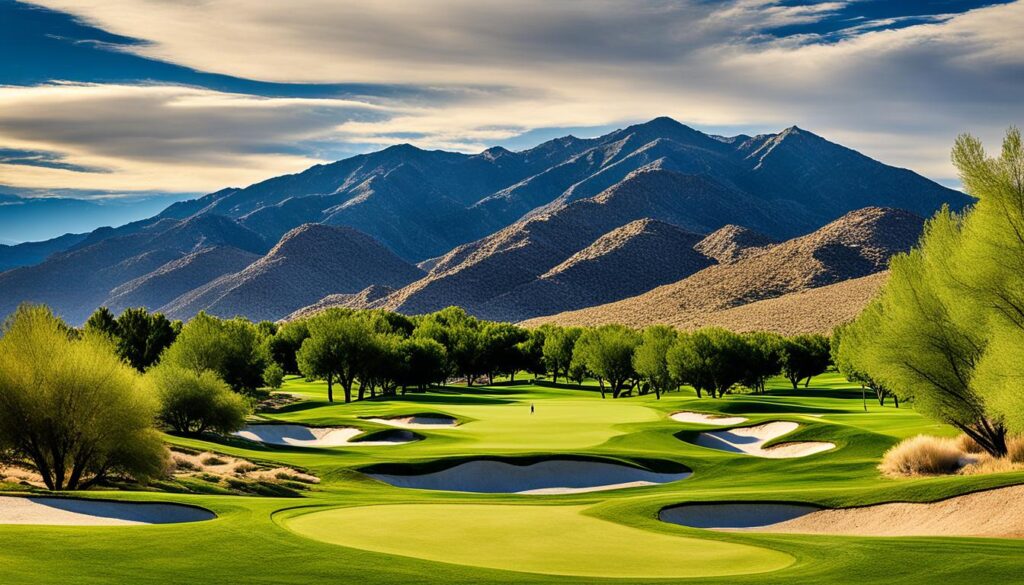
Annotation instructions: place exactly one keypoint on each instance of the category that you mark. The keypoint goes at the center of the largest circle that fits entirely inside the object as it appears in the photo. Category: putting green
(554, 540)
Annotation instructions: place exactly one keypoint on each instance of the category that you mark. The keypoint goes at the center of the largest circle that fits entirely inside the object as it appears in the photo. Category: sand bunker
(751, 441)
(420, 421)
(994, 513)
(556, 476)
(302, 436)
(73, 512)
(699, 418)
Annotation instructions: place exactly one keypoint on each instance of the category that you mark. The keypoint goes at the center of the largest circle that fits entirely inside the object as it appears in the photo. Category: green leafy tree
(708, 359)
(71, 408)
(650, 358)
(499, 348)
(139, 336)
(234, 349)
(805, 356)
(559, 344)
(273, 376)
(762, 359)
(195, 403)
(608, 353)
(423, 362)
(338, 344)
(845, 347)
(530, 354)
(286, 343)
(948, 327)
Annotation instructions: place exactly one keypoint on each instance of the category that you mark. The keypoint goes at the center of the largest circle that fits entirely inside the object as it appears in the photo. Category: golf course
(477, 497)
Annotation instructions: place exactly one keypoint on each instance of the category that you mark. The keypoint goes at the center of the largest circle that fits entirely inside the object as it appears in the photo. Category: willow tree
(948, 328)
(71, 407)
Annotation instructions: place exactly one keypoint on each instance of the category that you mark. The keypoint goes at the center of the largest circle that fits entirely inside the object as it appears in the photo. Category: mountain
(40, 218)
(422, 204)
(815, 310)
(29, 253)
(479, 276)
(361, 299)
(733, 242)
(309, 262)
(75, 282)
(857, 245)
(482, 225)
(178, 277)
(622, 263)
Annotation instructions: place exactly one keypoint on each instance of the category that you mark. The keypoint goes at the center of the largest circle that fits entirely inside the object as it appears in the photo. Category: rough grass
(922, 455)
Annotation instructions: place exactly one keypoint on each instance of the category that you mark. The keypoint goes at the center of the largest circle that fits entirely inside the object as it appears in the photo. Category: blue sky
(130, 98)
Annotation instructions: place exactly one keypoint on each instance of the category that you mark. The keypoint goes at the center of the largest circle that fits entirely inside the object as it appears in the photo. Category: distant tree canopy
(234, 349)
(71, 407)
(805, 356)
(139, 336)
(948, 327)
(710, 360)
(285, 343)
(650, 360)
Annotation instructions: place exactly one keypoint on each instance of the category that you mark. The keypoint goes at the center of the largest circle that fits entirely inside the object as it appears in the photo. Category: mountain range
(573, 227)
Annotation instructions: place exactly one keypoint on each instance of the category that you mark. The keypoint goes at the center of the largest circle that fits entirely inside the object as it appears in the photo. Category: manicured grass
(518, 538)
(391, 535)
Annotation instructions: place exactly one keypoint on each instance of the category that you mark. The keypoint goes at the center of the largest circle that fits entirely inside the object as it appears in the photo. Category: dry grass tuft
(969, 445)
(922, 455)
(1015, 448)
(926, 455)
(213, 460)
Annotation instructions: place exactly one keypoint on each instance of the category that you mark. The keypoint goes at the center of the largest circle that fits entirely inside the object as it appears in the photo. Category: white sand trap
(73, 512)
(556, 476)
(751, 440)
(302, 436)
(418, 421)
(994, 513)
(699, 418)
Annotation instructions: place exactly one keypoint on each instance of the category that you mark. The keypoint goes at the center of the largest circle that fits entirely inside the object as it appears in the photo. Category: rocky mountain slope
(857, 245)
(75, 282)
(481, 225)
(310, 261)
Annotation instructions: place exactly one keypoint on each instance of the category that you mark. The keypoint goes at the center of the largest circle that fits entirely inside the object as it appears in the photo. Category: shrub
(195, 403)
(273, 376)
(71, 407)
(922, 455)
(245, 467)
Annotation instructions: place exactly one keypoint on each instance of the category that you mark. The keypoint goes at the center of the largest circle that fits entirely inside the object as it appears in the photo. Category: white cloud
(899, 95)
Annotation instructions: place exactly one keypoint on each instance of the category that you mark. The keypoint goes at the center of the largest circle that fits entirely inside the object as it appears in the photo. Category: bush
(273, 376)
(922, 455)
(194, 403)
(71, 407)
(967, 444)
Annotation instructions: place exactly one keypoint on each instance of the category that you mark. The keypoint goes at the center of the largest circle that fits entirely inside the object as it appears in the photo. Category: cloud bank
(898, 89)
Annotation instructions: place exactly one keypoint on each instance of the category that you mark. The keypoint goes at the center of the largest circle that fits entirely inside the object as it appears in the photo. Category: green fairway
(557, 540)
(352, 529)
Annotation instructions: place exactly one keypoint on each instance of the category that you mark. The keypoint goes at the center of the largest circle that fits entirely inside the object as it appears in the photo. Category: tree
(530, 353)
(845, 345)
(71, 407)
(139, 336)
(650, 361)
(708, 359)
(233, 348)
(805, 356)
(948, 328)
(608, 353)
(423, 362)
(195, 403)
(499, 348)
(559, 344)
(762, 359)
(273, 376)
(338, 344)
(285, 343)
